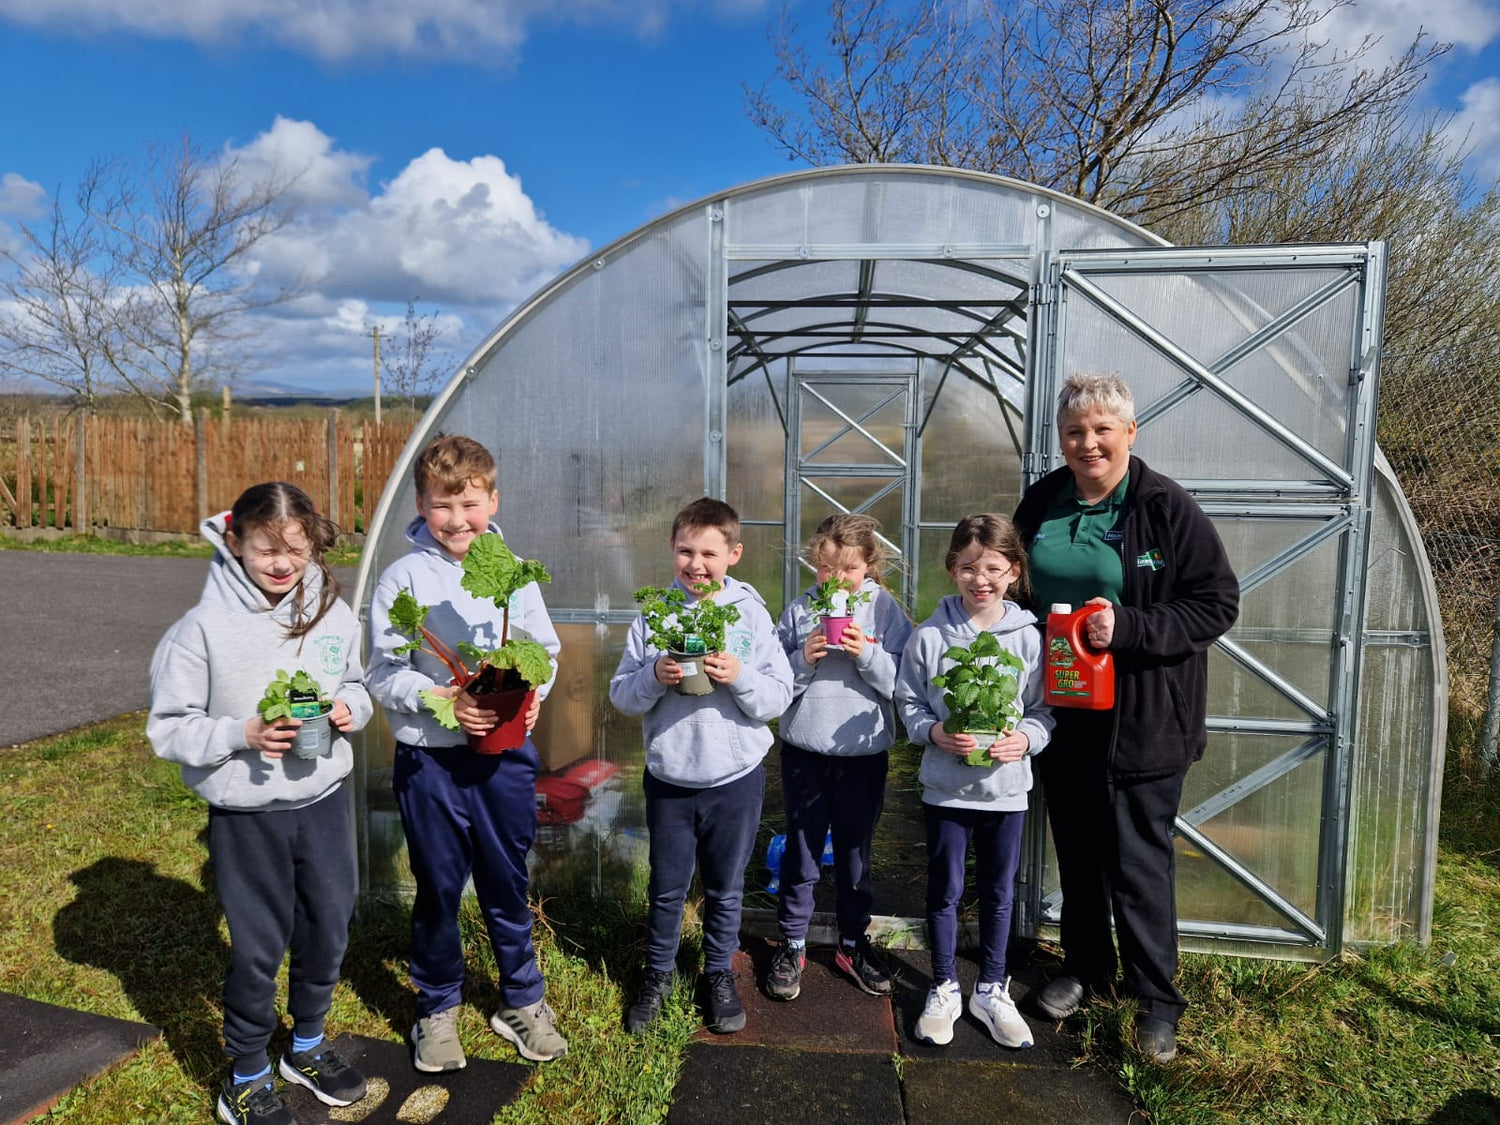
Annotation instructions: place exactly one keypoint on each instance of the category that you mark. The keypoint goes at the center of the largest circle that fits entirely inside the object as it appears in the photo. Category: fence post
(332, 511)
(1489, 758)
(23, 471)
(200, 439)
(81, 523)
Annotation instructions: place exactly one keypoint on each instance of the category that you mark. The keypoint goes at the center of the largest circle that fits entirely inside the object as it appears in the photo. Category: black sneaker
(784, 981)
(253, 1103)
(647, 1007)
(723, 1011)
(863, 966)
(1156, 1038)
(1060, 997)
(328, 1076)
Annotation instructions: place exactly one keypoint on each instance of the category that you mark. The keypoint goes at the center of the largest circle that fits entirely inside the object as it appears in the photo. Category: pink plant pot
(833, 629)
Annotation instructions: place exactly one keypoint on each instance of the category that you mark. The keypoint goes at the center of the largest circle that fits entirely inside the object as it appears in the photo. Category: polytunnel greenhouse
(888, 339)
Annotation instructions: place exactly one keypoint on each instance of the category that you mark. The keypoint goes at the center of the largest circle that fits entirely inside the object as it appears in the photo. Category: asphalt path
(78, 632)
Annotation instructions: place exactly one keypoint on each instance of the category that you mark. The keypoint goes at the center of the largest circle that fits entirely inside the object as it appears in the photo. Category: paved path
(78, 634)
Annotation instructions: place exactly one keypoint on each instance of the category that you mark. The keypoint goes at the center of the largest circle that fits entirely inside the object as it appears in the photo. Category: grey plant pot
(314, 736)
(696, 681)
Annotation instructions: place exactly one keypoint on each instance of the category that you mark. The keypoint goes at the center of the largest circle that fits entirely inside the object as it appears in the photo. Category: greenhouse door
(851, 447)
(1254, 373)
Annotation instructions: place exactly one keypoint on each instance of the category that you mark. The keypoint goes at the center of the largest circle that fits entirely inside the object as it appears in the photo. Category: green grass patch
(106, 905)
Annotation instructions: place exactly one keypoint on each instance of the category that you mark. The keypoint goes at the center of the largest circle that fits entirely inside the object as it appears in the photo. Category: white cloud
(459, 233)
(343, 29)
(20, 197)
(1477, 125)
(301, 154)
(1468, 24)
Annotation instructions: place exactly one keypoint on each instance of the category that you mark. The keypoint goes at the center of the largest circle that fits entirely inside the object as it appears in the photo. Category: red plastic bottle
(1074, 674)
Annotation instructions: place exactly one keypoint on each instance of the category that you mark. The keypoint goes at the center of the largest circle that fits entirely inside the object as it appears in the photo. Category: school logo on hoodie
(330, 647)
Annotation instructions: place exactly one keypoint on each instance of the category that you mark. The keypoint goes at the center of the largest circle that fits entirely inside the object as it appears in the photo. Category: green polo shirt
(1075, 554)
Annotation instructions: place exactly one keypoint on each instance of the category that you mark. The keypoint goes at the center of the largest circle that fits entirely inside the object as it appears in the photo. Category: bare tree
(1148, 107)
(412, 365)
(65, 317)
(183, 230)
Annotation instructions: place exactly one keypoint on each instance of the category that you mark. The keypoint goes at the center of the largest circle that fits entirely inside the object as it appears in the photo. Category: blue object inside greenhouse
(777, 848)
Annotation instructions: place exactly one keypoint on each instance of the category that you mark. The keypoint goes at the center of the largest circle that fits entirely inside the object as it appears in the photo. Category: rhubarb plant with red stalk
(491, 570)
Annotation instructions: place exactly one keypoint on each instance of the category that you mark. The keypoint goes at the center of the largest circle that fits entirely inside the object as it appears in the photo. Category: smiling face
(983, 576)
(847, 564)
(275, 563)
(454, 519)
(1096, 446)
(703, 554)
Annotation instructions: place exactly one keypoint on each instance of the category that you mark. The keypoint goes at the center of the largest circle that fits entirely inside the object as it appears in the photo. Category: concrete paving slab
(950, 1093)
(398, 1093)
(830, 1015)
(753, 1085)
(47, 1050)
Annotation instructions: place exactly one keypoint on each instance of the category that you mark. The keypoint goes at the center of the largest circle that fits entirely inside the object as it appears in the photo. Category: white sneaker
(944, 1004)
(992, 1006)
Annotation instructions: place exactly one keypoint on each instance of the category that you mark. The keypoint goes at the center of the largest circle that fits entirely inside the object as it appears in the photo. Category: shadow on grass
(1467, 1107)
(378, 940)
(160, 937)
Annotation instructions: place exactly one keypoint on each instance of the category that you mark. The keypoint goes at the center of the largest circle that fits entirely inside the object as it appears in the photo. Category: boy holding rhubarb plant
(464, 812)
(704, 781)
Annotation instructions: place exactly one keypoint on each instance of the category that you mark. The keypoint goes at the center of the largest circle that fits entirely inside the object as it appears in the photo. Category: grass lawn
(106, 906)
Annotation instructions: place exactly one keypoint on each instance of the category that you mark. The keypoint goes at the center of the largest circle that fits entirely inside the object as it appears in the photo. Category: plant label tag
(689, 668)
(692, 643)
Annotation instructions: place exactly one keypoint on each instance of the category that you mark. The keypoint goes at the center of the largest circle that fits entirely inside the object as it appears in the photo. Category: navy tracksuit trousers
(826, 792)
(466, 813)
(996, 837)
(286, 879)
(715, 829)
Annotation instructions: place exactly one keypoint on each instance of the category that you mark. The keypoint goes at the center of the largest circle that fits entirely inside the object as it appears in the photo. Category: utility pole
(375, 332)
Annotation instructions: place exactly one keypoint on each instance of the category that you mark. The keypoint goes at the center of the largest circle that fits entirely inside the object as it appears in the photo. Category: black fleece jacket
(1167, 618)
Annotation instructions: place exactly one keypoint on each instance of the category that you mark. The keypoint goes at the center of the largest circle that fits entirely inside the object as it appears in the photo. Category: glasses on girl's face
(992, 574)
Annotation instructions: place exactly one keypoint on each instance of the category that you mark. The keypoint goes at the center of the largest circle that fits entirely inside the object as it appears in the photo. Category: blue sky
(470, 156)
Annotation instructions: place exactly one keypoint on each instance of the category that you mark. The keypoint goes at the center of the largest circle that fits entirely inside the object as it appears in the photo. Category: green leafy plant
(287, 694)
(982, 690)
(490, 570)
(820, 601)
(671, 619)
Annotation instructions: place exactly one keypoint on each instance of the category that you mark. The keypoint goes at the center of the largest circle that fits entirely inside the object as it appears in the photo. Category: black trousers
(1115, 858)
(286, 880)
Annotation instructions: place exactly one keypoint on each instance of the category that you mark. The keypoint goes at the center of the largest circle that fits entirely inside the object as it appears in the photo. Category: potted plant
(299, 696)
(982, 691)
(502, 679)
(688, 631)
(833, 600)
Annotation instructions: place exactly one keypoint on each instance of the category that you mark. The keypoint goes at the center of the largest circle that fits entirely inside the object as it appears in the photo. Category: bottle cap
(1061, 607)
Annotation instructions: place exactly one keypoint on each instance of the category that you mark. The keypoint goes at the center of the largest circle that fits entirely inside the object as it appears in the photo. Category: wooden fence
(139, 474)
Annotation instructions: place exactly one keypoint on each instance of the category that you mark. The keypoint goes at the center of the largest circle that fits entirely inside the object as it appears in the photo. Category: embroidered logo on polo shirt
(1113, 535)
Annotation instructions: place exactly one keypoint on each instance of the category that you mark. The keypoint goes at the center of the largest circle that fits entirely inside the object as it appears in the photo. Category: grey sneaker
(434, 1043)
(533, 1030)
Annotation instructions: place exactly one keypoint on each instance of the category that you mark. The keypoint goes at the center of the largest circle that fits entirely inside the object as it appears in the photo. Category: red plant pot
(510, 709)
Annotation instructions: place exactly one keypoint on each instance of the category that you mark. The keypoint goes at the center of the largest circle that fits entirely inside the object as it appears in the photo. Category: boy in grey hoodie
(704, 780)
(463, 813)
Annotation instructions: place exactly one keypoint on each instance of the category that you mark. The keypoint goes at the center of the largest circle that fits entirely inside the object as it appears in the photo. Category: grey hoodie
(212, 667)
(433, 576)
(842, 704)
(699, 741)
(946, 780)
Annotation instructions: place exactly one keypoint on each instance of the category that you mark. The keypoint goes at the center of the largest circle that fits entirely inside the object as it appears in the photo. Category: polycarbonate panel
(971, 461)
(1207, 893)
(1397, 773)
(1272, 829)
(755, 444)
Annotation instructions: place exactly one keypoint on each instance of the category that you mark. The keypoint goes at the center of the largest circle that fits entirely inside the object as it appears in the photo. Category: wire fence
(1439, 425)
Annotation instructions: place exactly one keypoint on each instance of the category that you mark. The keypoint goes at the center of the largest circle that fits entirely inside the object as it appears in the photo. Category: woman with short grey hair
(1106, 530)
